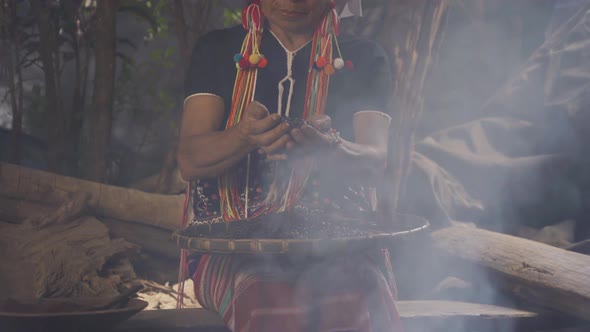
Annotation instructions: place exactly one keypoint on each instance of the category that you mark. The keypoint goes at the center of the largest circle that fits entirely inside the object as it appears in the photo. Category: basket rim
(203, 244)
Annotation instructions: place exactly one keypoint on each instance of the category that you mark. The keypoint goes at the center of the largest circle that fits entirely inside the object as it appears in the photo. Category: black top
(366, 87)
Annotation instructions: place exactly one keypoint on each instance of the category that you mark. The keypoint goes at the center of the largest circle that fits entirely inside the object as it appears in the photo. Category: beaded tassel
(247, 63)
(318, 80)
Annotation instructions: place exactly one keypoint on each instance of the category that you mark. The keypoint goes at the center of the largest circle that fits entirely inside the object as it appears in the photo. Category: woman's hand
(264, 131)
(313, 138)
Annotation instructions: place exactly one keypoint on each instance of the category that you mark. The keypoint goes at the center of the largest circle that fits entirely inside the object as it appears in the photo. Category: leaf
(169, 52)
(156, 55)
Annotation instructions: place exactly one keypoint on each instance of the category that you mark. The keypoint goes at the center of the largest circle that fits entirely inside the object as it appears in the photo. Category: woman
(243, 161)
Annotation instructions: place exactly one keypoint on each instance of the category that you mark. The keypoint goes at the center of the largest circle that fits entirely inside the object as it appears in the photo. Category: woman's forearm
(209, 155)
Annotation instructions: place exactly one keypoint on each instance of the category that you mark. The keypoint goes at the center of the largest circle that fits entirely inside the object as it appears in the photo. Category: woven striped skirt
(259, 294)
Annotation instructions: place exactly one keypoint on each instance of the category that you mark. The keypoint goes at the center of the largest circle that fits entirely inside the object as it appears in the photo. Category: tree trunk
(538, 273)
(187, 32)
(75, 108)
(15, 86)
(161, 211)
(181, 32)
(199, 13)
(97, 152)
(54, 114)
(411, 36)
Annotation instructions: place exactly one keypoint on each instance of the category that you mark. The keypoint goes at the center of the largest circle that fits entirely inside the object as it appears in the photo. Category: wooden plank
(454, 309)
(445, 316)
(547, 276)
(434, 315)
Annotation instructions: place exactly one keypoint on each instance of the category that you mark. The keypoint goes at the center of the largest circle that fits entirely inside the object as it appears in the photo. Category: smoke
(497, 170)
(513, 167)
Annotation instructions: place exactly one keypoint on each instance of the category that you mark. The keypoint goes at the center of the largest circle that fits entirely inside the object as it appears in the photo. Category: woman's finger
(290, 145)
(276, 145)
(265, 124)
(268, 137)
(298, 136)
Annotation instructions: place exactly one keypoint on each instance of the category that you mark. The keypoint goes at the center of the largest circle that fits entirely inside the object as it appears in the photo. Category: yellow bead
(255, 58)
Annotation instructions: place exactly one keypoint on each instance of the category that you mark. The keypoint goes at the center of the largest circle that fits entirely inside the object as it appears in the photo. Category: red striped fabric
(253, 294)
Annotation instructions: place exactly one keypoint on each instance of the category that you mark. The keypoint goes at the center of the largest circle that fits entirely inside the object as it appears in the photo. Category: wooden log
(431, 315)
(162, 211)
(151, 239)
(547, 276)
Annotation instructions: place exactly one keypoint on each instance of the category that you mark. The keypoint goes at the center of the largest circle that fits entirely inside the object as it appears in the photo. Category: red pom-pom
(262, 63)
(244, 63)
(321, 62)
(332, 4)
(348, 65)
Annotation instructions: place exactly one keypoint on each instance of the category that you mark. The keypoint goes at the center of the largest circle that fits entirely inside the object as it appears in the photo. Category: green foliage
(231, 17)
(158, 20)
(164, 58)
